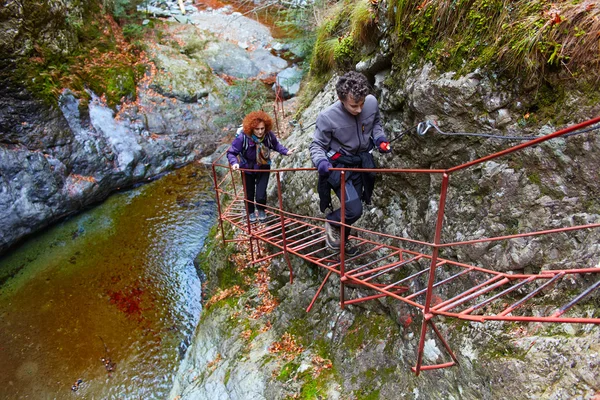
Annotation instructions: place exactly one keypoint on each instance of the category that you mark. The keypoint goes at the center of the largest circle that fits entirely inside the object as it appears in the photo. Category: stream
(104, 304)
(108, 298)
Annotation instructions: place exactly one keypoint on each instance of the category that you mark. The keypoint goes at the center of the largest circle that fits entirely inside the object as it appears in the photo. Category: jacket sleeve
(276, 145)
(234, 150)
(321, 140)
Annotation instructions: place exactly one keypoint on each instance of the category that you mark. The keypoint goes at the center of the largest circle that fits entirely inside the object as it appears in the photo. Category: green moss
(306, 335)
(287, 371)
(370, 382)
(227, 376)
(362, 22)
(344, 50)
(133, 31)
(505, 349)
(314, 388)
(373, 395)
(229, 302)
(310, 390)
(228, 277)
(515, 38)
(338, 39)
(368, 328)
(534, 178)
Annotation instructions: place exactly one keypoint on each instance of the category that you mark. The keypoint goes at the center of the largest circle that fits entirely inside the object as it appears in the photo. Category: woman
(252, 150)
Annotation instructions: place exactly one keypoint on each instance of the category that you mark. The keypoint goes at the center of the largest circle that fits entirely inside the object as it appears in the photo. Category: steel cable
(423, 127)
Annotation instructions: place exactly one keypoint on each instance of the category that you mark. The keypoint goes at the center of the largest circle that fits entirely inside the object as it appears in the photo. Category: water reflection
(114, 283)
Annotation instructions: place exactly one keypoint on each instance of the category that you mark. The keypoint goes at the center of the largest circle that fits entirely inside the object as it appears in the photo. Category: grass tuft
(524, 37)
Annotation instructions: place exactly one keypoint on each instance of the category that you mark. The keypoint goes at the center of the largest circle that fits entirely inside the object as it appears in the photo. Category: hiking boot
(262, 216)
(351, 251)
(252, 218)
(332, 236)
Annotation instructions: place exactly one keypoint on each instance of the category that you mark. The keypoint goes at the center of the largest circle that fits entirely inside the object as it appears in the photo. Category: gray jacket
(338, 130)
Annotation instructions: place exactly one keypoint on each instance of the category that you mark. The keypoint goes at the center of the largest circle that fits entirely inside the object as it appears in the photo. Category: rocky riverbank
(57, 159)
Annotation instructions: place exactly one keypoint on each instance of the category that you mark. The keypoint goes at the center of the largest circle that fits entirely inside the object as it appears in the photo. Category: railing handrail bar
(520, 235)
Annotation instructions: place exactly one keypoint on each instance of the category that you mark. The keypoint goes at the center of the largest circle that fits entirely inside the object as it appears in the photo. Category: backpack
(240, 131)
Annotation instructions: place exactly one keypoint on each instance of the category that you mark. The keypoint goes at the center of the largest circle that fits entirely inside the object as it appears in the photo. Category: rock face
(227, 41)
(59, 163)
(241, 47)
(372, 346)
(54, 161)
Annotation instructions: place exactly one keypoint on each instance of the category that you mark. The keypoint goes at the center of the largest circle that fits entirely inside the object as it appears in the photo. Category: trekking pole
(401, 135)
(417, 127)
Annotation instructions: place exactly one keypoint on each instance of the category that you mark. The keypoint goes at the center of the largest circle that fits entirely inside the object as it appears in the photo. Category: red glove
(384, 147)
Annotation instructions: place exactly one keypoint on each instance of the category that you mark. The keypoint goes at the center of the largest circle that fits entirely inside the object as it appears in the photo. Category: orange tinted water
(116, 282)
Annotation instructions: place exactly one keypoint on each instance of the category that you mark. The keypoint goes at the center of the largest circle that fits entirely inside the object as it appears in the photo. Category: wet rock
(289, 80)
(229, 59)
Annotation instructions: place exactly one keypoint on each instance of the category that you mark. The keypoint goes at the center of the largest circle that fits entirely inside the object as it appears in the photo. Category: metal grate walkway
(432, 285)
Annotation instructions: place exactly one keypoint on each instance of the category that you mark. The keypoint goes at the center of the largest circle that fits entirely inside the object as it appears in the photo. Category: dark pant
(256, 185)
(354, 209)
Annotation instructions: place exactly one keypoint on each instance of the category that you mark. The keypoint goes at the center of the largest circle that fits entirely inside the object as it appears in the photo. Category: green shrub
(241, 98)
(133, 31)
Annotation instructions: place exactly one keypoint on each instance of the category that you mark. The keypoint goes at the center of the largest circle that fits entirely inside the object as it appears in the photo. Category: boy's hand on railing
(323, 167)
(235, 167)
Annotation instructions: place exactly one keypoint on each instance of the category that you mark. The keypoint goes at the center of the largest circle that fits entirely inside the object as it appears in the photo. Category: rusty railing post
(215, 179)
(342, 235)
(432, 267)
(282, 219)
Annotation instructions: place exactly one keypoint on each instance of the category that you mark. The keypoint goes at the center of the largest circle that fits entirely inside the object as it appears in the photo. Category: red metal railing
(421, 279)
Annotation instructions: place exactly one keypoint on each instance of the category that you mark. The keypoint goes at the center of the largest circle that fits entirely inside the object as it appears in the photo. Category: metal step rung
(294, 235)
(476, 291)
(566, 307)
(365, 253)
(519, 303)
(271, 229)
(391, 268)
(408, 278)
(314, 252)
(354, 275)
(440, 283)
(309, 239)
(497, 296)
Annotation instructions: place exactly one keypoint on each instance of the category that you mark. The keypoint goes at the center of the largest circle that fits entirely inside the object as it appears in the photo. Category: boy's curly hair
(353, 83)
(252, 120)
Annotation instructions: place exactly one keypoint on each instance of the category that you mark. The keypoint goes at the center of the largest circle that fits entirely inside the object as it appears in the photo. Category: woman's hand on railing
(235, 167)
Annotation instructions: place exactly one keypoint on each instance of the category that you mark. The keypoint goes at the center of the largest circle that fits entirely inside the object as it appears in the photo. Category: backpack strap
(244, 147)
(240, 131)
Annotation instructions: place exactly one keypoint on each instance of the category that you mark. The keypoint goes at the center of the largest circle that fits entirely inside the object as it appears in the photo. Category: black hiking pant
(256, 185)
(353, 203)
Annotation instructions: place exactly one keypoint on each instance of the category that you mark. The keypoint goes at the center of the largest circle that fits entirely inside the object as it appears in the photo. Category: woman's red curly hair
(252, 120)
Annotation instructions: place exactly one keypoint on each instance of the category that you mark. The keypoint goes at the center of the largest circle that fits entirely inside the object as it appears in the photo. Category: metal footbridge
(389, 266)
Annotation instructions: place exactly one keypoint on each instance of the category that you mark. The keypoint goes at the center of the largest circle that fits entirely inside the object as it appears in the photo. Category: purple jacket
(247, 159)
